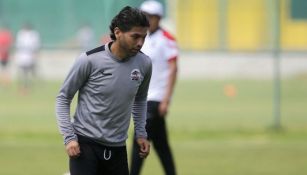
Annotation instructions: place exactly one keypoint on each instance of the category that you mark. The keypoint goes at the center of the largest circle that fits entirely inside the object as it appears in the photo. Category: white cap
(152, 7)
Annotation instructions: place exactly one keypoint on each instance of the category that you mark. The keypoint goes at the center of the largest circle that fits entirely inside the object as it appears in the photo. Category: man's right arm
(73, 82)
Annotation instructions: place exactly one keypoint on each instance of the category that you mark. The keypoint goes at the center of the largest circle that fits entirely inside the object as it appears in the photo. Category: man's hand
(163, 108)
(73, 148)
(144, 147)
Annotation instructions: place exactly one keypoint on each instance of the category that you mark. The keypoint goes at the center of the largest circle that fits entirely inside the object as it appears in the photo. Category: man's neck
(117, 50)
(154, 31)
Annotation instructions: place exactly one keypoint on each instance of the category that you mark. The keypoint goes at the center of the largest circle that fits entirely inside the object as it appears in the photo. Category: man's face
(132, 41)
(153, 21)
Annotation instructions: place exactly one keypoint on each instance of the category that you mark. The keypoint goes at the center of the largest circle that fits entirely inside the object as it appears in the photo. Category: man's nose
(140, 42)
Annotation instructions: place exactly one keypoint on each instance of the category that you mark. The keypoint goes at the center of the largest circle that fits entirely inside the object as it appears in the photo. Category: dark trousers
(157, 133)
(97, 159)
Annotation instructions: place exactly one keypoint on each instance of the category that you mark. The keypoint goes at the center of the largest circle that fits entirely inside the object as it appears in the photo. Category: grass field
(210, 133)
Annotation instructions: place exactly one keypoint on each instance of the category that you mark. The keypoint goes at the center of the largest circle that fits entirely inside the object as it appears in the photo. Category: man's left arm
(139, 110)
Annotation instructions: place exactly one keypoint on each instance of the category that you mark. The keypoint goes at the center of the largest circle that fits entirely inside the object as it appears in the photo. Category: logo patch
(135, 74)
(105, 74)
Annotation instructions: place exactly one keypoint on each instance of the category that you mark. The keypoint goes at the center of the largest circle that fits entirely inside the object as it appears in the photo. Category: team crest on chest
(135, 74)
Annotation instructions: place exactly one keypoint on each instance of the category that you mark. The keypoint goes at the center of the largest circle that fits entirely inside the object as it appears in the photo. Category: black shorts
(97, 159)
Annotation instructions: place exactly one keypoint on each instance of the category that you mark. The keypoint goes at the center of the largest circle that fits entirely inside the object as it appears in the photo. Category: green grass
(210, 133)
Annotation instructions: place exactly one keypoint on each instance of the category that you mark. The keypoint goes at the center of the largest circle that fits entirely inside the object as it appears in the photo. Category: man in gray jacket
(112, 81)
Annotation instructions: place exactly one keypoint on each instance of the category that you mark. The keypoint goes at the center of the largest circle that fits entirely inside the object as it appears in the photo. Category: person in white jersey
(161, 47)
(28, 44)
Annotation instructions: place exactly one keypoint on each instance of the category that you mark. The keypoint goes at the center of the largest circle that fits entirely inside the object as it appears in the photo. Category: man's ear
(117, 32)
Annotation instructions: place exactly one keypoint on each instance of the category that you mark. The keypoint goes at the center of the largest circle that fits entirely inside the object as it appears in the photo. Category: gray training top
(109, 89)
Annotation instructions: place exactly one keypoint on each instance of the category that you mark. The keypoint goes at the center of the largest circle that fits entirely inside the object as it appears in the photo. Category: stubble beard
(125, 47)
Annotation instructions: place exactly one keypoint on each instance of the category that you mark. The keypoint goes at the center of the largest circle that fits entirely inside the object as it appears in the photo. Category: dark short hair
(127, 18)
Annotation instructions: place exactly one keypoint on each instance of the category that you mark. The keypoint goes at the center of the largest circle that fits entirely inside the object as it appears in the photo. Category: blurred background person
(5, 45)
(161, 47)
(28, 43)
(85, 37)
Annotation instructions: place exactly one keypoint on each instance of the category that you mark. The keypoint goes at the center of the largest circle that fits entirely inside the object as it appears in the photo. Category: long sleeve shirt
(110, 90)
